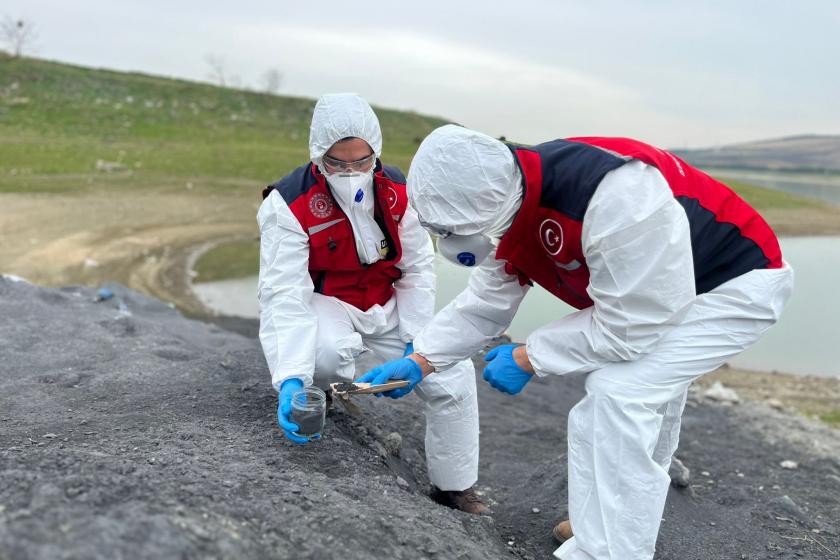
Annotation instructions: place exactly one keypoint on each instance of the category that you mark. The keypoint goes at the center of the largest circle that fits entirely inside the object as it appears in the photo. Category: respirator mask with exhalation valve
(465, 250)
(354, 193)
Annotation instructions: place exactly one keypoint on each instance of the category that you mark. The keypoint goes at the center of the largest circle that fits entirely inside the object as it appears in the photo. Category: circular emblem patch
(321, 205)
(551, 235)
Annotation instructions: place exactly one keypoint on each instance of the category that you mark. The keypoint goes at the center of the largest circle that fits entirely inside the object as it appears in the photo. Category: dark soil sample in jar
(344, 387)
(310, 422)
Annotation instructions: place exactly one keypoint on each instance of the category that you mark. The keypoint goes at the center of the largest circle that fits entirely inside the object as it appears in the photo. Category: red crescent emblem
(551, 235)
(391, 197)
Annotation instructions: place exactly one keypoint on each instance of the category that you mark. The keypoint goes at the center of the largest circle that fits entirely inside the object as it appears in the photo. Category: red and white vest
(333, 260)
(728, 237)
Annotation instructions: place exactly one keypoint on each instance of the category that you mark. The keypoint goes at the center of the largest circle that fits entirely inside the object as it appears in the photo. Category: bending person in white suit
(673, 274)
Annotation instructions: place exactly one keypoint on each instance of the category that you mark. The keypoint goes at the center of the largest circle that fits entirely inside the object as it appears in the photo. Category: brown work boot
(563, 531)
(465, 500)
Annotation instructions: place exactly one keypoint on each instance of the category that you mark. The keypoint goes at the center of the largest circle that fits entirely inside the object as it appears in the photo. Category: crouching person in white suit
(345, 267)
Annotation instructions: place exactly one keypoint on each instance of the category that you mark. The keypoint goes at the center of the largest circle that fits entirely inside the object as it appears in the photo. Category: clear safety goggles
(436, 231)
(333, 165)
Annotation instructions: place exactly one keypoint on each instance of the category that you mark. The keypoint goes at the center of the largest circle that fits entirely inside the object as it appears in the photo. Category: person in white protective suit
(672, 275)
(345, 267)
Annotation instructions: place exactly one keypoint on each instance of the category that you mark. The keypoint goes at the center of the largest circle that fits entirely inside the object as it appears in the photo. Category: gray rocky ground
(128, 431)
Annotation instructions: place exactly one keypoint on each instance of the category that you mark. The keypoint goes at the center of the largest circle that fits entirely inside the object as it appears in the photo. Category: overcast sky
(677, 74)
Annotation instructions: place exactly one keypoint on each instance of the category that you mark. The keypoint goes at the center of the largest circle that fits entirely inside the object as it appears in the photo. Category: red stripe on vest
(525, 251)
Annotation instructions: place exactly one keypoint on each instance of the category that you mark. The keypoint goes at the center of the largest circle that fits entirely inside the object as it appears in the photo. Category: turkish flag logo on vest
(551, 235)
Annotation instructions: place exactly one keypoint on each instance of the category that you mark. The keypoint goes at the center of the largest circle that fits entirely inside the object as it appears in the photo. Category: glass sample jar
(309, 411)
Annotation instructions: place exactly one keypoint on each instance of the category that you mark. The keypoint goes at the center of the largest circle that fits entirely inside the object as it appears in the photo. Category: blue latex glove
(409, 349)
(502, 371)
(284, 410)
(404, 368)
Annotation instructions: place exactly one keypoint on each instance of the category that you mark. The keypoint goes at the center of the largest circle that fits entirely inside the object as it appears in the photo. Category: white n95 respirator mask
(354, 193)
(346, 187)
(465, 250)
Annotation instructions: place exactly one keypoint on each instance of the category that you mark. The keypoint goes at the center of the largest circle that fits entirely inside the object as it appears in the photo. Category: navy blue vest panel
(719, 250)
(393, 174)
(293, 185)
(571, 172)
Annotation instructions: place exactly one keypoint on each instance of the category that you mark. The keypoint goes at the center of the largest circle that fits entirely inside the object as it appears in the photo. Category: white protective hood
(465, 182)
(342, 115)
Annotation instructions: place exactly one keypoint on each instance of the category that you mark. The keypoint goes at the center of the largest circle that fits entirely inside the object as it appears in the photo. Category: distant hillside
(60, 122)
(795, 153)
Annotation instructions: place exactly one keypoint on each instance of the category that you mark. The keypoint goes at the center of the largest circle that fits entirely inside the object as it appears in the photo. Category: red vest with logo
(333, 260)
(728, 237)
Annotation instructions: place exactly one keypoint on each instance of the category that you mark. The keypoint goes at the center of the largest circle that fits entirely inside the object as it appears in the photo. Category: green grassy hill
(58, 120)
(68, 128)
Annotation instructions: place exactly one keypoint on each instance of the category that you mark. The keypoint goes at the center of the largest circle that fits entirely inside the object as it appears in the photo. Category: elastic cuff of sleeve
(306, 380)
(439, 366)
(539, 372)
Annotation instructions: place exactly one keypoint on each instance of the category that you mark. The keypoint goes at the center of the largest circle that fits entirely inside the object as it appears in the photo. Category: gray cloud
(676, 74)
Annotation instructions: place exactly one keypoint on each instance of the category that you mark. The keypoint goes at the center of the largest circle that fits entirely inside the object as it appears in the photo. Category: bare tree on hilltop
(271, 81)
(217, 68)
(17, 34)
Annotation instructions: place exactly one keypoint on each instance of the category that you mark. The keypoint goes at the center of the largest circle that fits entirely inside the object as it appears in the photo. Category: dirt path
(807, 394)
(144, 240)
(804, 221)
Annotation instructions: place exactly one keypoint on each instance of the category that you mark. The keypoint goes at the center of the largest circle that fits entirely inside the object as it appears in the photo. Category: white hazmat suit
(645, 339)
(316, 338)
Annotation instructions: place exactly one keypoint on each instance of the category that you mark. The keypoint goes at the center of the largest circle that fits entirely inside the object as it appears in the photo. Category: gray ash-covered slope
(147, 435)
(795, 153)
(740, 503)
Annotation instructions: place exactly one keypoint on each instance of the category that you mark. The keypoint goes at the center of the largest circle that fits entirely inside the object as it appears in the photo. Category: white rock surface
(718, 392)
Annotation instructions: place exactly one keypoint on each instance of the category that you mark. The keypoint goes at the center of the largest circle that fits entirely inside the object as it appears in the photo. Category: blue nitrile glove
(284, 409)
(503, 373)
(403, 368)
(409, 349)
